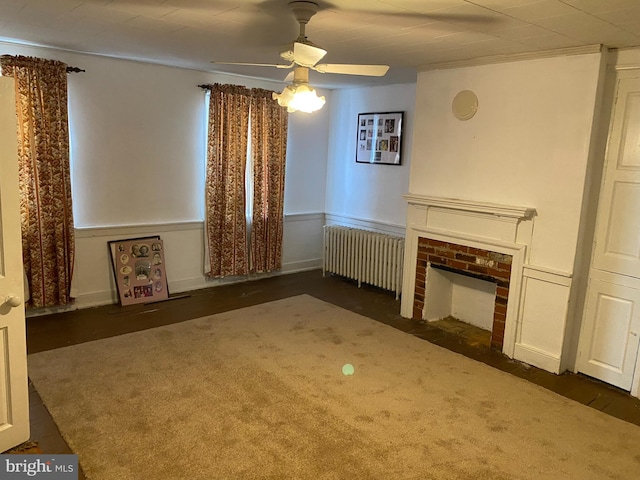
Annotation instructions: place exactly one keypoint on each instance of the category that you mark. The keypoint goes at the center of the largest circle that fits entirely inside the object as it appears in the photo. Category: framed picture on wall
(379, 138)
(139, 269)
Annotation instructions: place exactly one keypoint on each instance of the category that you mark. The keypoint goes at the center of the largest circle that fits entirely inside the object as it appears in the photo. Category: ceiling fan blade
(346, 69)
(289, 77)
(254, 64)
(307, 55)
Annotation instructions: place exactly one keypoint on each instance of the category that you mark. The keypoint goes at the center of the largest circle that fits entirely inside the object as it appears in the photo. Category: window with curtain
(246, 152)
(45, 182)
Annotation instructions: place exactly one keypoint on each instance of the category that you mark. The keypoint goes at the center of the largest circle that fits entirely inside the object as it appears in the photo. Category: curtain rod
(206, 86)
(69, 69)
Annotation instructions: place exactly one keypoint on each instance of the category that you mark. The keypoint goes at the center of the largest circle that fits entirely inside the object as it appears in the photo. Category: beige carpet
(259, 393)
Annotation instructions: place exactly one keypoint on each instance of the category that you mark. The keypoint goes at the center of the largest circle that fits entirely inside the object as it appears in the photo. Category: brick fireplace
(486, 241)
(470, 261)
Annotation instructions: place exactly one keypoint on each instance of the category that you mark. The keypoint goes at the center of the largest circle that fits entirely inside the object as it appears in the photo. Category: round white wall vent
(465, 105)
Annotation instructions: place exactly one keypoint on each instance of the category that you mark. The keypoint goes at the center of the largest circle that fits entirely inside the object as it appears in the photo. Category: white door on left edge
(14, 393)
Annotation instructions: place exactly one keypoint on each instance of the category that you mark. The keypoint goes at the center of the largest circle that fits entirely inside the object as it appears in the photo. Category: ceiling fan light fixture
(299, 97)
(303, 55)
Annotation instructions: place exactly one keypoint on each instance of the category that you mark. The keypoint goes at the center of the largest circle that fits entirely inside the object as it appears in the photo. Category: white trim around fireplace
(501, 228)
(537, 308)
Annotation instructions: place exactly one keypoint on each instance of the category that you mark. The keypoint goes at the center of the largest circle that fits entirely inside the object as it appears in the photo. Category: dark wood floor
(58, 330)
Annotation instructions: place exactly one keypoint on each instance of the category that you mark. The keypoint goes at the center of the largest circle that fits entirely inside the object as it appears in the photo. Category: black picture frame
(379, 138)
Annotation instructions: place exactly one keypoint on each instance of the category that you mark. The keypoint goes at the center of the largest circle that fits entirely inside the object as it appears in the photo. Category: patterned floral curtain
(45, 184)
(269, 124)
(225, 222)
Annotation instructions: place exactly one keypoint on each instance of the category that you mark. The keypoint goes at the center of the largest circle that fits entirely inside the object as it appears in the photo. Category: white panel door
(617, 248)
(14, 394)
(610, 335)
(608, 346)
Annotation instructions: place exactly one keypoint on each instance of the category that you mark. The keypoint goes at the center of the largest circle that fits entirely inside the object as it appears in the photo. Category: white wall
(357, 191)
(528, 145)
(138, 154)
(306, 174)
(141, 129)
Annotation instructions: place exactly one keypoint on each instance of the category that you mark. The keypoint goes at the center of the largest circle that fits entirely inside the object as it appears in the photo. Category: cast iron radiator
(369, 257)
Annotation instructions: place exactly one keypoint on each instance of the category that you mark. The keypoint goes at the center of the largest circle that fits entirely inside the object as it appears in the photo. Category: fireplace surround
(484, 240)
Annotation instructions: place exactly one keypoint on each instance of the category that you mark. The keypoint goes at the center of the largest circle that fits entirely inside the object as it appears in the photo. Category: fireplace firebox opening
(462, 296)
(469, 261)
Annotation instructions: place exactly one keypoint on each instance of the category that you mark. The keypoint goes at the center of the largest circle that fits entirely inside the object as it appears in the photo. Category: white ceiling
(405, 34)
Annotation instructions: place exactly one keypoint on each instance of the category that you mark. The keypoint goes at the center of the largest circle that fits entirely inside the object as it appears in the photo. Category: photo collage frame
(139, 270)
(379, 138)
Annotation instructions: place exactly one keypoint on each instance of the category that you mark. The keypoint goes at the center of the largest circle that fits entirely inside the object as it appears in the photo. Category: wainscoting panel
(543, 319)
(93, 277)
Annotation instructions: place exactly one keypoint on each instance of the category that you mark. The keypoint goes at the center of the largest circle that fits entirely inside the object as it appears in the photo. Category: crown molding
(515, 57)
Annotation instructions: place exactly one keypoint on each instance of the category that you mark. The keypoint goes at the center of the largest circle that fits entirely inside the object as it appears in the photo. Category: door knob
(13, 300)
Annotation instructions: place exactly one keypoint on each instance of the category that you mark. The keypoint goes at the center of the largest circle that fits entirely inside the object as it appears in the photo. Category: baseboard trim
(302, 266)
(87, 300)
(99, 299)
(537, 358)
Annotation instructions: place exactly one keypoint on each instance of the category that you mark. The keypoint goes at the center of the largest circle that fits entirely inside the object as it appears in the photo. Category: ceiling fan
(303, 55)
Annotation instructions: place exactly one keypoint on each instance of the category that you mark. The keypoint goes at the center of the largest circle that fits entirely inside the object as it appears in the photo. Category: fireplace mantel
(485, 208)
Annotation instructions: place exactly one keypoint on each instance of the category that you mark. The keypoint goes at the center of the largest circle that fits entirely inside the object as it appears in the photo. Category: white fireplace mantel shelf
(495, 209)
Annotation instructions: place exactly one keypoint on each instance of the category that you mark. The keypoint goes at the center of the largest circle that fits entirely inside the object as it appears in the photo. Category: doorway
(610, 334)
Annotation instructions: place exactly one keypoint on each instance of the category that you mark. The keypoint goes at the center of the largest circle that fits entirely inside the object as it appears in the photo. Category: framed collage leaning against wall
(379, 138)
(139, 269)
